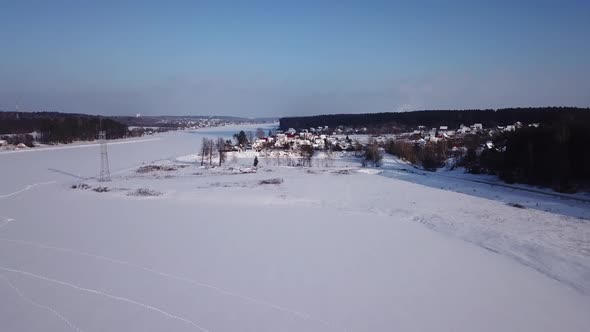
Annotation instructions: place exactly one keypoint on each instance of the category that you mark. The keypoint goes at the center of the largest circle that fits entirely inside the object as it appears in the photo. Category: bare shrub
(373, 156)
(271, 181)
(144, 192)
(517, 205)
(429, 155)
(82, 186)
(154, 168)
(342, 172)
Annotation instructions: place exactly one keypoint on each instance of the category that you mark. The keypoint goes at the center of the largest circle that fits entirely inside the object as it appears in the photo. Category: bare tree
(358, 148)
(289, 160)
(259, 133)
(210, 150)
(307, 152)
(220, 145)
(250, 136)
(266, 154)
(329, 157)
(204, 149)
(207, 147)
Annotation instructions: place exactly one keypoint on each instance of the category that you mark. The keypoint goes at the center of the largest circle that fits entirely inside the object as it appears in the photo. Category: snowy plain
(330, 248)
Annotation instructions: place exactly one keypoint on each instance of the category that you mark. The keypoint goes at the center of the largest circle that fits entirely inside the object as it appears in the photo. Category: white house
(281, 138)
(463, 129)
(300, 142)
(305, 135)
(434, 139)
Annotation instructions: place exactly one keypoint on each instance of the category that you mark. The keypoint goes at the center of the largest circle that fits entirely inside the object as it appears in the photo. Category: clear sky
(276, 58)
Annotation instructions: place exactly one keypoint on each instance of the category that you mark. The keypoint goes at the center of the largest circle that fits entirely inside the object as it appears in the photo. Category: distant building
(463, 129)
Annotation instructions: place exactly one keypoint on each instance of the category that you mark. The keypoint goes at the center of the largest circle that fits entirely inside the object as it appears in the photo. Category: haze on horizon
(273, 58)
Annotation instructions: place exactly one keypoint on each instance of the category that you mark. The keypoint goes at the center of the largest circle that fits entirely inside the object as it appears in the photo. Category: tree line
(555, 156)
(59, 127)
(397, 121)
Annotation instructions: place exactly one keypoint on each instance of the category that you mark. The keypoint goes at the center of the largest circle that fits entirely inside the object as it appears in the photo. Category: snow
(336, 248)
(490, 187)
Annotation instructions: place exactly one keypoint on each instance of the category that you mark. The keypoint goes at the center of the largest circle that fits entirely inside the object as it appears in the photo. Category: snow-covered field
(181, 247)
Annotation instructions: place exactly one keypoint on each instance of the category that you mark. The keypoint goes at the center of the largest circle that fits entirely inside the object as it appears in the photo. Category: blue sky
(275, 58)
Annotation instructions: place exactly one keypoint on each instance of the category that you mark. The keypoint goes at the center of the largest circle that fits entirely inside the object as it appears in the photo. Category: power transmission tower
(105, 173)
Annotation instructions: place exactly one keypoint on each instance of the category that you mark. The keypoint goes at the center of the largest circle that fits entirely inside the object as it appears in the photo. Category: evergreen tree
(241, 138)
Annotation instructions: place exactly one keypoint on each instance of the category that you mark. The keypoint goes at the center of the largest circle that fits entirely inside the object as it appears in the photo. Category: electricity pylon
(105, 173)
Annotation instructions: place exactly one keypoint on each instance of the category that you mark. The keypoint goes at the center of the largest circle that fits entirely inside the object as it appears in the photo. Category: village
(427, 147)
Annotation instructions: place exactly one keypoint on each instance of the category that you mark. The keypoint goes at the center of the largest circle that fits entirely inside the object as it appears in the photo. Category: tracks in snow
(5, 221)
(298, 314)
(28, 187)
(110, 296)
(39, 305)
